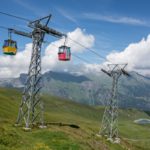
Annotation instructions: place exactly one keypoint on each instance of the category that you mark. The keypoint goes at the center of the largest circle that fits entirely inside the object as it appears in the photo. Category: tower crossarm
(48, 30)
(26, 34)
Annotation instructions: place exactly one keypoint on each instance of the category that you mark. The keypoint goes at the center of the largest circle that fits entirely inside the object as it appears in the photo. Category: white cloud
(136, 55)
(116, 19)
(50, 59)
(12, 66)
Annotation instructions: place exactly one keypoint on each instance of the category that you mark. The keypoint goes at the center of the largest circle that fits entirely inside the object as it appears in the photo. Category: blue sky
(114, 23)
(69, 14)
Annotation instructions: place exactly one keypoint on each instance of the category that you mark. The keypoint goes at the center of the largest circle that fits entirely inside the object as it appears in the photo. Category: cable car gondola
(10, 47)
(64, 53)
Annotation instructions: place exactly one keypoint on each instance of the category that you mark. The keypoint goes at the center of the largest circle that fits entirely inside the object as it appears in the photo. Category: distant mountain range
(92, 89)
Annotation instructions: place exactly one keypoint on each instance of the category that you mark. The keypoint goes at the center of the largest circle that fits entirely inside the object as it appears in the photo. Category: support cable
(91, 50)
(14, 16)
(82, 59)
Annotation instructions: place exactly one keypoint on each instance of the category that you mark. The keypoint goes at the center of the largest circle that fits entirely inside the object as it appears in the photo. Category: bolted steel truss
(31, 108)
(109, 127)
(31, 105)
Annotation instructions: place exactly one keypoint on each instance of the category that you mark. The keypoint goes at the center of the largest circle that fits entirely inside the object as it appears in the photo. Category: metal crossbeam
(48, 30)
(29, 35)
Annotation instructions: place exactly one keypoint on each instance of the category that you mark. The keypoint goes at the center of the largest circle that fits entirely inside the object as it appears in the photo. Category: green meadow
(61, 116)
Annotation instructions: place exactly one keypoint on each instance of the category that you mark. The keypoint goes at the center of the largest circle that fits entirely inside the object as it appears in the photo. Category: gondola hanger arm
(29, 35)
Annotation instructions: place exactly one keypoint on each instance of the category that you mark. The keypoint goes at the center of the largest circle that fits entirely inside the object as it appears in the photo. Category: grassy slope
(133, 136)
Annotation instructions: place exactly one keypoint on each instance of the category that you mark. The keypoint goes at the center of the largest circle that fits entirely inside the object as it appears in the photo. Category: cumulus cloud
(50, 58)
(136, 55)
(12, 66)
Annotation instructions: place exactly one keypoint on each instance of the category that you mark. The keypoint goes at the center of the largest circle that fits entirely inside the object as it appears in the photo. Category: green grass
(133, 136)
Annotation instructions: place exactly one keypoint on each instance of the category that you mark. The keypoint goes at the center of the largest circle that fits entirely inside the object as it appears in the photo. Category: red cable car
(64, 53)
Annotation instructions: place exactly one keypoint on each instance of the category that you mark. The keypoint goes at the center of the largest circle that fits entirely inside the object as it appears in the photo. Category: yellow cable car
(10, 47)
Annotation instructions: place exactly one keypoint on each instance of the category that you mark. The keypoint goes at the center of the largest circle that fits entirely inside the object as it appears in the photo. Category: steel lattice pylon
(31, 108)
(31, 102)
(109, 127)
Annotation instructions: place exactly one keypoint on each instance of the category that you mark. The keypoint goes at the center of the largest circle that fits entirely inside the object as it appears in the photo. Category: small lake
(142, 121)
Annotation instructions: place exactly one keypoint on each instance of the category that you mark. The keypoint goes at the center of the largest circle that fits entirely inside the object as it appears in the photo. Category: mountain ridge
(91, 89)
